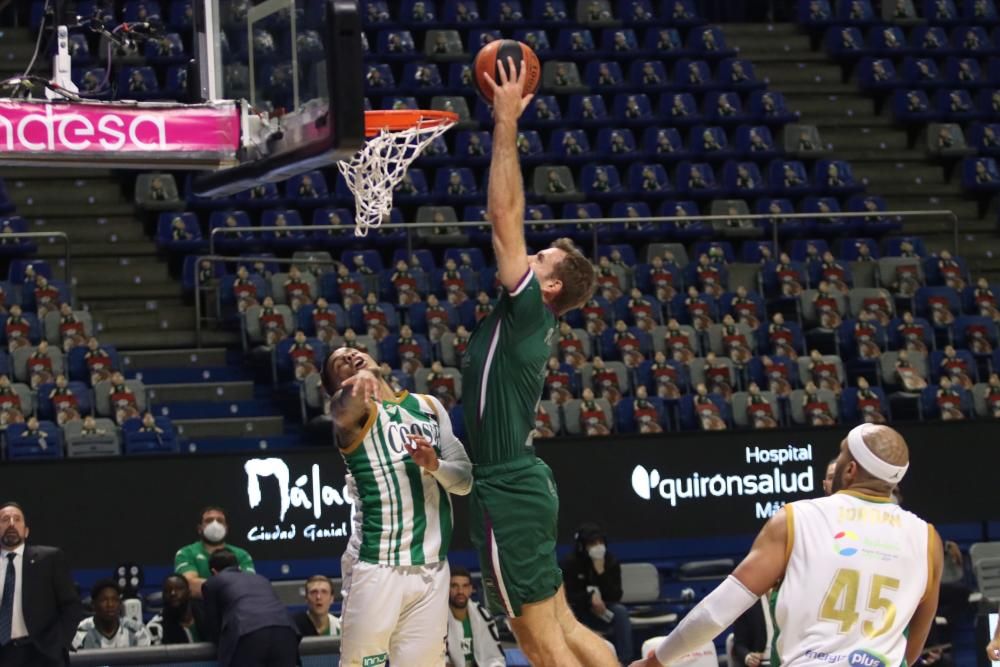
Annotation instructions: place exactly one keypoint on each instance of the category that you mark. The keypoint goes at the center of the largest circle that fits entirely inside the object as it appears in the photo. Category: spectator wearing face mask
(593, 580)
(191, 561)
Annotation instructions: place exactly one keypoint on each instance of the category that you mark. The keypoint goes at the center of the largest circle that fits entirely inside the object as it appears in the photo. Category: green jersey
(194, 558)
(503, 374)
(403, 515)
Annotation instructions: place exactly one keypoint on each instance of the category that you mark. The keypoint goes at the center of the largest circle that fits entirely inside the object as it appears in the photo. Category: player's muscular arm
(505, 196)
(765, 564)
(923, 617)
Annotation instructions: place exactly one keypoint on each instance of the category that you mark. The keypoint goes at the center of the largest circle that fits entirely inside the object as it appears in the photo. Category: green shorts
(514, 519)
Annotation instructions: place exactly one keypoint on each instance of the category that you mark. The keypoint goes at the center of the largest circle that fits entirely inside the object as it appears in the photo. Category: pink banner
(95, 128)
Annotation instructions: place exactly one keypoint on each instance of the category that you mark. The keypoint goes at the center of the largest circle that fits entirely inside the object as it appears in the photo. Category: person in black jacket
(39, 603)
(245, 618)
(750, 637)
(593, 580)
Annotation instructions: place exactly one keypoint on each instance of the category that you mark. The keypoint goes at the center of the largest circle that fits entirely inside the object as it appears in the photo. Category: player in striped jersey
(403, 460)
(859, 576)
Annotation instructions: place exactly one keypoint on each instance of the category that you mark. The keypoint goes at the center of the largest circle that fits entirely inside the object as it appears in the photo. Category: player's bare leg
(589, 648)
(540, 636)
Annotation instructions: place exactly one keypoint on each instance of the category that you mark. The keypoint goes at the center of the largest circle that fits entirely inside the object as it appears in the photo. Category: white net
(373, 174)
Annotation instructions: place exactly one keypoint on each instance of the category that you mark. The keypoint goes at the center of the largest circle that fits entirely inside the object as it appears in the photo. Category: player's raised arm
(350, 396)
(505, 196)
(923, 617)
(752, 578)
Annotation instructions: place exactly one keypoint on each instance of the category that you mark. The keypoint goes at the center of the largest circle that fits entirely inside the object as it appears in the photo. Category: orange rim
(395, 120)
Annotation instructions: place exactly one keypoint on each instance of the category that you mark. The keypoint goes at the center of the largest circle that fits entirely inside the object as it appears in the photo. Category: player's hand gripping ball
(500, 50)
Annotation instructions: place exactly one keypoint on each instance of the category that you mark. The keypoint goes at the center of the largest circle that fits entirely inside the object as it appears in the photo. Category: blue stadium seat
(985, 138)
(771, 108)
(390, 353)
(636, 11)
(176, 83)
(394, 43)
(530, 147)
(955, 105)
(752, 251)
(625, 417)
(648, 180)
(836, 177)
(738, 74)
(455, 184)
(167, 49)
(138, 442)
(632, 109)
(664, 144)
(587, 110)
(460, 77)
(651, 75)
(724, 108)
(282, 218)
(930, 41)
(141, 10)
(980, 11)
(261, 196)
(680, 13)
(181, 14)
(789, 178)
(980, 175)
(473, 150)
(941, 12)
(742, 180)
(418, 11)
(694, 75)
(786, 227)
(926, 298)
(689, 416)
(616, 143)
(465, 12)
(544, 110)
(876, 75)
(20, 445)
(967, 329)
(550, 12)
(696, 180)
(505, 11)
(680, 109)
(937, 356)
(179, 232)
(308, 190)
(709, 42)
(912, 107)
(887, 40)
(710, 143)
(619, 41)
(690, 226)
(138, 83)
(921, 72)
(378, 76)
(417, 315)
(930, 407)
(849, 409)
(845, 44)
(665, 42)
(421, 78)
(858, 12)
(963, 72)
(972, 39)
(604, 75)
(570, 145)
(76, 363)
(814, 13)
(413, 188)
(538, 40)
(574, 42)
(875, 225)
(825, 225)
(755, 142)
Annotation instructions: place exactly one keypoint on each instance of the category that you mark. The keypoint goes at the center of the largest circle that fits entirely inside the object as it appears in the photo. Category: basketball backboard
(284, 57)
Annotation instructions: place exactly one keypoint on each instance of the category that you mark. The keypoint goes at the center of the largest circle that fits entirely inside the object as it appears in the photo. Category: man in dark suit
(39, 603)
(245, 617)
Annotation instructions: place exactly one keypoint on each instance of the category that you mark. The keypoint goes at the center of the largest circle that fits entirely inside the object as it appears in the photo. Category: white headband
(867, 459)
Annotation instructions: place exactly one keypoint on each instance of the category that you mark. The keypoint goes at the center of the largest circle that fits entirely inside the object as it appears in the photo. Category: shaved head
(884, 442)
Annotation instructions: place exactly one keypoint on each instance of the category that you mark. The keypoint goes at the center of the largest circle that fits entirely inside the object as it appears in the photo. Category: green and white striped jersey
(403, 513)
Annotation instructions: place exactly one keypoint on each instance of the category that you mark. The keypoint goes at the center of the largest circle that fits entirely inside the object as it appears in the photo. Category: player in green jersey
(403, 462)
(515, 506)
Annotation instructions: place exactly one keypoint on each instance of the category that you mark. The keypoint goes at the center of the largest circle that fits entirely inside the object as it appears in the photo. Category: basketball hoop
(395, 139)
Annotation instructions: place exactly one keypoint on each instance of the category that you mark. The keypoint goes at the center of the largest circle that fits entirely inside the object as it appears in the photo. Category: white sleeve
(454, 471)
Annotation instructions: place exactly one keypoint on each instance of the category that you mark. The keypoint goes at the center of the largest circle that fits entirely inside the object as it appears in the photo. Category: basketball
(501, 49)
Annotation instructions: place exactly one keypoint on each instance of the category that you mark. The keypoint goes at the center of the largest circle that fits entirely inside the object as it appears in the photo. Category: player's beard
(464, 603)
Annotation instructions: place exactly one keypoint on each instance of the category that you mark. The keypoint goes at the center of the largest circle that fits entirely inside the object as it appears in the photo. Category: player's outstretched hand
(422, 452)
(993, 650)
(363, 384)
(509, 100)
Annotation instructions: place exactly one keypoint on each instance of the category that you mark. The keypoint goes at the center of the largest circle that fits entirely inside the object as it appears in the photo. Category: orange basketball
(501, 49)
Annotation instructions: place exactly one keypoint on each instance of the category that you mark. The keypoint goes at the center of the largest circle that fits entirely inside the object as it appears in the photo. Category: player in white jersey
(403, 461)
(859, 576)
